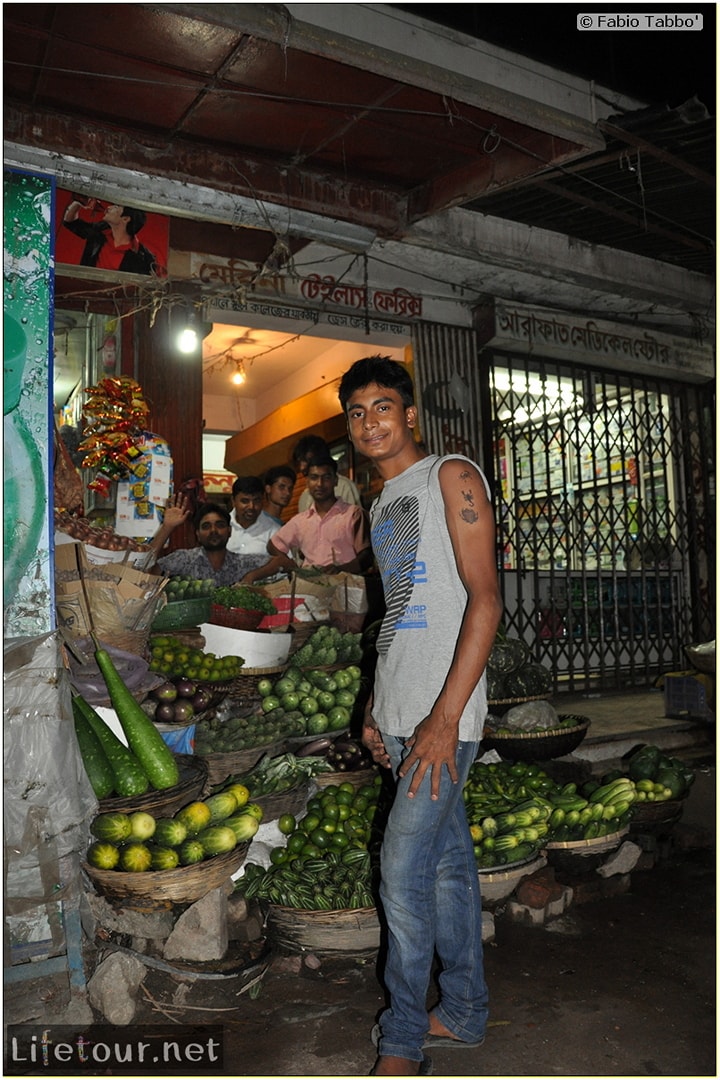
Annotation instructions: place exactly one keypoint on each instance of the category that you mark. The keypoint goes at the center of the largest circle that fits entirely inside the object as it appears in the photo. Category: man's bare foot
(395, 1066)
(436, 1028)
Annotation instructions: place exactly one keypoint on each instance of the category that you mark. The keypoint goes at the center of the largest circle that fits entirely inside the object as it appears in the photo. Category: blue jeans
(430, 895)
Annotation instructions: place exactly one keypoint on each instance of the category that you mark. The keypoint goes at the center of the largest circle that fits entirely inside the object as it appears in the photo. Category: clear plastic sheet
(48, 799)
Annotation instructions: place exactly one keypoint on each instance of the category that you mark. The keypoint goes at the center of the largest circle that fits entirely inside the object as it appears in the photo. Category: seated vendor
(211, 558)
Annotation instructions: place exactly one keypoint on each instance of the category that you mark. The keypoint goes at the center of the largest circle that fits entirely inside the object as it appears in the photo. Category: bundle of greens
(243, 596)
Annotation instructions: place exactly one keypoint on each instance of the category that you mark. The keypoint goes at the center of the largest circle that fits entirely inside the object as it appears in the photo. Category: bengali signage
(529, 330)
(324, 291)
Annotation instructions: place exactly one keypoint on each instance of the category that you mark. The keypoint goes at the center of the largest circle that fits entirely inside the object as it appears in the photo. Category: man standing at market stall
(331, 536)
(433, 536)
(211, 558)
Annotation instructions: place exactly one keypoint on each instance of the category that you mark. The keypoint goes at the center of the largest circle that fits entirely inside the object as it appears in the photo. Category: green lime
(286, 824)
(310, 823)
(278, 856)
(296, 843)
(320, 838)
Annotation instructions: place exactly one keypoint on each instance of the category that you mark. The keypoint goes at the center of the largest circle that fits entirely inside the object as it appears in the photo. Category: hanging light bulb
(239, 376)
(188, 339)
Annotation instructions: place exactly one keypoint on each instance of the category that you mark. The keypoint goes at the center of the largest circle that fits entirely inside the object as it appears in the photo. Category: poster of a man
(106, 235)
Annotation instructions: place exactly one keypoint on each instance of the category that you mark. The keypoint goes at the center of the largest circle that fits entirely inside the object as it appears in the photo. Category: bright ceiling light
(239, 375)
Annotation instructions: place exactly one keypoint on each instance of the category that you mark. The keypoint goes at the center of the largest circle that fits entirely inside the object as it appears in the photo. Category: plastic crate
(685, 698)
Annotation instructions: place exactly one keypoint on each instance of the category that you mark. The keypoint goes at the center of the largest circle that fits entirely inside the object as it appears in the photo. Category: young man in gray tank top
(433, 536)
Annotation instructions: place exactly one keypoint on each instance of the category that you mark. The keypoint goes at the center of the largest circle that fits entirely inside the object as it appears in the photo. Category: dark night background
(660, 66)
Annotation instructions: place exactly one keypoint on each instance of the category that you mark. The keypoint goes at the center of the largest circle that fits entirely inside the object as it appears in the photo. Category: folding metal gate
(604, 497)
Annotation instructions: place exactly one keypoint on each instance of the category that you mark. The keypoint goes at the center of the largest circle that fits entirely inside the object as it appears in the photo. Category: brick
(539, 889)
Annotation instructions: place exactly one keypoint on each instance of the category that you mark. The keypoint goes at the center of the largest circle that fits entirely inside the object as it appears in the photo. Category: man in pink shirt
(332, 535)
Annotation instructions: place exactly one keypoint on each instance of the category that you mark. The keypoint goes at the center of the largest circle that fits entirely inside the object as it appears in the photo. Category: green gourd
(130, 777)
(143, 738)
(94, 758)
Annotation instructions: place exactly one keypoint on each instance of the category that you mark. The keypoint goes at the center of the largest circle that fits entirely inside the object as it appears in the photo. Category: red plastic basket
(235, 618)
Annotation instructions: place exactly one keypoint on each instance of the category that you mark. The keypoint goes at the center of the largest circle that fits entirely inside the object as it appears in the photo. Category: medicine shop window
(592, 521)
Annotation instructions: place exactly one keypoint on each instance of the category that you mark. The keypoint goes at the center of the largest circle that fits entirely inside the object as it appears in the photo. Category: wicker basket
(246, 683)
(358, 778)
(583, 856)
(652, 814)
(220, 766)
(160, 888)
(194, 784)
(235, 618)
(497, 883)
(537, 745)
(519, 700)
(348, 933)
(283, 802)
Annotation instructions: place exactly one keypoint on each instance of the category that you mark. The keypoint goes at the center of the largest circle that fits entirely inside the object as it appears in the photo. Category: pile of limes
(325, 699)
(172, 657)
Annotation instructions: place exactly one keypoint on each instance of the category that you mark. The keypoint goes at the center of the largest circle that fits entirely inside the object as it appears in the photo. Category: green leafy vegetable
(243, 596)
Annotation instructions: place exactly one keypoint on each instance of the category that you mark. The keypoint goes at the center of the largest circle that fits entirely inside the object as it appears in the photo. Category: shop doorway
(604, 502)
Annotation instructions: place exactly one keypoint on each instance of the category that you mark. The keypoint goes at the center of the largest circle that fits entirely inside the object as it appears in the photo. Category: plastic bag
(531, 716)
(48, 798)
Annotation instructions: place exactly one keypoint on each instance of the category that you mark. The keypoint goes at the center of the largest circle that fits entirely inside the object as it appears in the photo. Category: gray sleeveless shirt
(424, 599)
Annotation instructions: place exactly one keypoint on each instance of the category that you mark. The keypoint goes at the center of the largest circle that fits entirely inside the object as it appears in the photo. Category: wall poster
(99, 233)
(28, 604)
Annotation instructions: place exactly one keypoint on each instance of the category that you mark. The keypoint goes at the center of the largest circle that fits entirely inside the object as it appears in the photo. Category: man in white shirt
(251, 527)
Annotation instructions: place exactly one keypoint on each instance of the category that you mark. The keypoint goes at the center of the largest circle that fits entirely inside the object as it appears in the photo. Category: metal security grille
(605, 507)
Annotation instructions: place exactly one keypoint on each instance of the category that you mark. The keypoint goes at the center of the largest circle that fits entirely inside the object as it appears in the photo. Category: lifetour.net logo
(103, 1050)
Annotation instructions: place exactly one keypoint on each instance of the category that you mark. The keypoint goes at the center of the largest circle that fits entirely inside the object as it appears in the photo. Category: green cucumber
(94, 758)
(130, 777)
(143, 738)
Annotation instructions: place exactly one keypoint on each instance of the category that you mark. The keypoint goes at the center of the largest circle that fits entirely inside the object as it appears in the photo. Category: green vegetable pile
(244, 597)
(328, 646)
(326, 863)
(215, 735)
(650, 764)
(276, 774)
(512, 673)
(173, 657)
(514, 810)
(318, 701)
(184, 588)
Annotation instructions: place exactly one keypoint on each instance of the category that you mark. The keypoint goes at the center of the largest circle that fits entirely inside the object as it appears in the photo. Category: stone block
(201, 932)
(113, 988)
(251, 929)
(527, 916)
(621, 861)
(96, 913)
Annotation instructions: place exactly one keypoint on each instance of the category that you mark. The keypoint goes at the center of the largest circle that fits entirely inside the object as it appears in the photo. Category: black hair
(321, 460)
(137, 219)
(276, 472)
(309, 446)
(210, 508)
(377, 369)
(248, 485)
